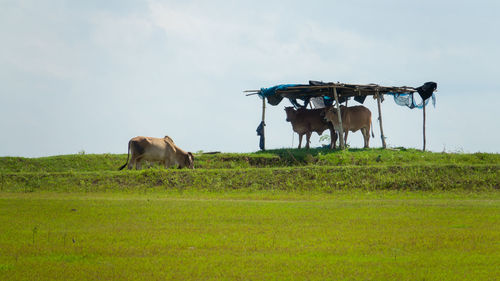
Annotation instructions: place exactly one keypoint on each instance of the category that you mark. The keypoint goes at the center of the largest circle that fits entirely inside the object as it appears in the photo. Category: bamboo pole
(423, 109)
(380, 120)
(263, 119)
(341, 131)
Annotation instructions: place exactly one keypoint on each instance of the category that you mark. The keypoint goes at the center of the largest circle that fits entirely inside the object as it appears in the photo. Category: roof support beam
(423, 109)
(263, 124)
(341, 130)
(380, 120)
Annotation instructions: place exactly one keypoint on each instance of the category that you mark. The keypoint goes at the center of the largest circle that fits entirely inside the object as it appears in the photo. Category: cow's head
(290, 113)
(189, 160)
(330, 114)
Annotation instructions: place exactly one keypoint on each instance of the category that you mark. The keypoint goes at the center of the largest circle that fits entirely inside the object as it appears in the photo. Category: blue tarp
(270, 93)
(266, 92)
(407, 99)
(274, 99)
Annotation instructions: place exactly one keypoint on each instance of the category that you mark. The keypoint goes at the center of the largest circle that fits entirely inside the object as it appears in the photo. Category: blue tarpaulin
(407, 99)
(274, 99)
(266, 92)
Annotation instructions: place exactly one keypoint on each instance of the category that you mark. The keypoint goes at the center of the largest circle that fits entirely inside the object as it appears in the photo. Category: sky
(86, 76)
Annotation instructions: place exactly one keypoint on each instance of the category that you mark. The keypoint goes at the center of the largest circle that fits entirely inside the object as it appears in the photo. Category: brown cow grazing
(157, 150)
(353, 118)
(306, 121)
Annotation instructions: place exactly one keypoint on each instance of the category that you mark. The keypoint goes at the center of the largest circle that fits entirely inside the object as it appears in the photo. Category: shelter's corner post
(384, 145)
(423, 110)
(263, 138)
(339, 115)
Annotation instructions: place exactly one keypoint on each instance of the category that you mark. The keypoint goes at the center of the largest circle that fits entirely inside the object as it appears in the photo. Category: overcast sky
(89, 75)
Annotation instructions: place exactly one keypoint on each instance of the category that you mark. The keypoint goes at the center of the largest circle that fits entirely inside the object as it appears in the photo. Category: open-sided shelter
(337, 93)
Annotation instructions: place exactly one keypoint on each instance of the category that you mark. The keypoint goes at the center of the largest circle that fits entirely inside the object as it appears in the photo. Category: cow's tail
(128, 154)
(371, 126)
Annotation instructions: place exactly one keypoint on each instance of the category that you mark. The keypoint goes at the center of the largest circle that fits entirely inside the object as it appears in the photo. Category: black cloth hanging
(260, 132)
(360, 99)
(425, 91)
(296, 104)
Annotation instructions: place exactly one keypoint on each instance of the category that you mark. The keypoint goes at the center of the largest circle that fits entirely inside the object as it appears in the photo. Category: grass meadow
(280, 215)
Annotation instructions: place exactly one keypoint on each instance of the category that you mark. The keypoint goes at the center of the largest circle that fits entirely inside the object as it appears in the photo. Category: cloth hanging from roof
(270, 93)
(407, 99)
(327, 101)
(426, 91)
(298, 105)
(360, 99)
(318, 102)
(260, 132)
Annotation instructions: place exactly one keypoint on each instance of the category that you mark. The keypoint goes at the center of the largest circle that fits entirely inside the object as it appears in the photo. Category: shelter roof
(321, 89)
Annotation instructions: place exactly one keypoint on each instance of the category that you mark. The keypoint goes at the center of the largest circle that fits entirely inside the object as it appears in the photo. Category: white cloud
(222, 43)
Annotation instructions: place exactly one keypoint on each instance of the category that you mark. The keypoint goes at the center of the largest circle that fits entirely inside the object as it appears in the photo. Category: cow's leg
(300, 140)
(138, 163)
(167, 163)
(333, 139)
(132, 161)
(345, 136)
(308, 138)
(366, 136)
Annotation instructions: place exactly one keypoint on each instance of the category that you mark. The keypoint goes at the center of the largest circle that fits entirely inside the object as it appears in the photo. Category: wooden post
(263, 123)
(341, 132)
(380, 120)
(423, 109)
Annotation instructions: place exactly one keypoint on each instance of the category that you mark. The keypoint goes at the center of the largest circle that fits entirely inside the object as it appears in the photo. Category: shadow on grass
(304, 156)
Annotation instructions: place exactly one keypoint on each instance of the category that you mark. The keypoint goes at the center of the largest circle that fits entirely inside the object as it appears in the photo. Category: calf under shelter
(321, 94)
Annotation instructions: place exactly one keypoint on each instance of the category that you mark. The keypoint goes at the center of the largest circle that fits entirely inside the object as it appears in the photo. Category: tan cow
(305, 121)
(353, 118)
(157, 150)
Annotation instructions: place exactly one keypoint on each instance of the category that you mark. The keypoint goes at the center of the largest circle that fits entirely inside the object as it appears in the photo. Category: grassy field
(344, 236)
(280, 215)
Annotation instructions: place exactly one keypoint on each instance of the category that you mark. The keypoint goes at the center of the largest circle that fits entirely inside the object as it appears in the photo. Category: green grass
(303, 179)
(379, 157)
(382, 235)
(277, 215)
(111, 162)
(295, 170)
(266, 159)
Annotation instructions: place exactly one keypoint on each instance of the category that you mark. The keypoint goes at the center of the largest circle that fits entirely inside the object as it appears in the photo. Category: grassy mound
(322, 179)
(290, 170)
(267, 159)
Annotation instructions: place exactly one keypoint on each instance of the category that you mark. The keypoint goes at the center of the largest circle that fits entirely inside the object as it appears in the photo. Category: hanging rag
(425, 91)
(260, 132)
